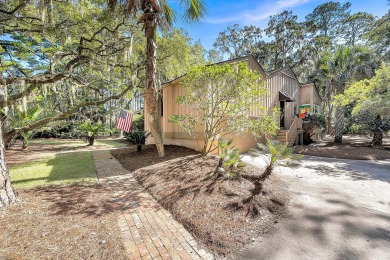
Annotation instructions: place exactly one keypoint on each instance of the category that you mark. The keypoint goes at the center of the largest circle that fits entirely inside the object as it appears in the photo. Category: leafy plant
(272, 153)
(371, 102)
(91, 129)
(139, 138)
(26, 136)
(318, 121)
(138, 134)
(228, 94)
(229, 158)
(23, 118)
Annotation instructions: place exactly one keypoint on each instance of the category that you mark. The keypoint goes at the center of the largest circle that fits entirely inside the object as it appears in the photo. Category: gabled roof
(282, 70)
(247, 57)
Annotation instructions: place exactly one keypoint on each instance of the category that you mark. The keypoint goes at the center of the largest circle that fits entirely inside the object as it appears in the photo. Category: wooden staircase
(282, 138)
(290, 136)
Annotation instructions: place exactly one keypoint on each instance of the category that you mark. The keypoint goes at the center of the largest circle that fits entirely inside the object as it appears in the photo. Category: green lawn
(64, 168)
(53, 141)
(109, 143)
(112, 143)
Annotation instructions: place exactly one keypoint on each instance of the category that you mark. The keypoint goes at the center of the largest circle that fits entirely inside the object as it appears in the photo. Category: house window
(317, 109)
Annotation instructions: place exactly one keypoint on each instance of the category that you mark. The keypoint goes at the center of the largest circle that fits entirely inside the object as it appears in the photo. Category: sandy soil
(210, 208)
(353, 147)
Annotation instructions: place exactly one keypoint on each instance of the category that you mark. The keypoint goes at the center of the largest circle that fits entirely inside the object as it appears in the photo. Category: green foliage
(356, 27)
(372, 101)
(25, 117)
(380, 36)
(236, 42)
(273, 153)
(230, 159)
(92, 129)
(318, 121)
(177, 54)
(288, 35)
(328, 18)
(223, 99)
(137, 134)
(76, 53)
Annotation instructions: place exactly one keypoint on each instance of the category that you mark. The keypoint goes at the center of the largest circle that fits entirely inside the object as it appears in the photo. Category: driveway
(340, 209)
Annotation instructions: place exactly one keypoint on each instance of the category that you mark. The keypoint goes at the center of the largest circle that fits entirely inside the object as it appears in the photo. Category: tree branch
(66, 114)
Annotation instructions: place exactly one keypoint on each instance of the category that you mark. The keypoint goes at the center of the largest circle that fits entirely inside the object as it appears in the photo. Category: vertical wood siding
(282, 81)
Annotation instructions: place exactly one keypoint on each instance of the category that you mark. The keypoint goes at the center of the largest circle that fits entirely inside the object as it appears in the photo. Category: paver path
(340, 209)
(148, 230)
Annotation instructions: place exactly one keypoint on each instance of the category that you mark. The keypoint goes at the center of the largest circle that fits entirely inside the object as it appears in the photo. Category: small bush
(229, 158)
(137, 133)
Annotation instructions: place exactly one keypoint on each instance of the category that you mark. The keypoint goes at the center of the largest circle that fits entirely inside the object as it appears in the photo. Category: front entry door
(282, 104)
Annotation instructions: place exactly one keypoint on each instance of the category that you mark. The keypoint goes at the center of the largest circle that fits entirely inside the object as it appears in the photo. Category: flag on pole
(124, 121)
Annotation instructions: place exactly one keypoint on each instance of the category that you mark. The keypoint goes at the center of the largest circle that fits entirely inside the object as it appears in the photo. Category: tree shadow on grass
(65, 168)
(119, 192)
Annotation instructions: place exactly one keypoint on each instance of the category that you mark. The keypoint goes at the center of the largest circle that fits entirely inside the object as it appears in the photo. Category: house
(285, 92)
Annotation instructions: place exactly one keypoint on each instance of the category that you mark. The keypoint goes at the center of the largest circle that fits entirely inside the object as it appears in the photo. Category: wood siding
(283, 80)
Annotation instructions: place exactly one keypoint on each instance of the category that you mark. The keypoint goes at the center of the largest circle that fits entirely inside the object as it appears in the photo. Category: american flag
(124, 121)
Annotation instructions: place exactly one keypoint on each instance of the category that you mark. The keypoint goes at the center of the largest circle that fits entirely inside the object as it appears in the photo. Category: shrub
(91, 129)
(272, 153)
(229, 158)
(137, 130)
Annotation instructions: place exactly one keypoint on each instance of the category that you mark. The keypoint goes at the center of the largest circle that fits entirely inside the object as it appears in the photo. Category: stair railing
(293, 130)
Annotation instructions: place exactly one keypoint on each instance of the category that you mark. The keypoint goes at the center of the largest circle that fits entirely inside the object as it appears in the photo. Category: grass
(112, 143)
(63, 168)
(57, 141)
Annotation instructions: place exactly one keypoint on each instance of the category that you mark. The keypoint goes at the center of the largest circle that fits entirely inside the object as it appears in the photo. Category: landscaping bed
(353, 147)
(61, 222)
(210, 208)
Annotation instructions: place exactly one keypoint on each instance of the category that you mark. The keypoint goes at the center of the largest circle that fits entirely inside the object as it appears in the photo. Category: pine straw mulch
(61, 222)
(208, 207)
(355, 147)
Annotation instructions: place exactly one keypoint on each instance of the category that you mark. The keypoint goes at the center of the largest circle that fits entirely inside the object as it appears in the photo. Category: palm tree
(341, 67)
(157, 13)
(25, 117)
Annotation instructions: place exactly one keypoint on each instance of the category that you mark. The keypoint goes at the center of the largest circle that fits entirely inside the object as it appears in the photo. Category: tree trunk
(339, 126)
(91, 140)
(329, 125)
(24, 144)
(7, 194)
(378, 135)
(152, 82)
(378, 138)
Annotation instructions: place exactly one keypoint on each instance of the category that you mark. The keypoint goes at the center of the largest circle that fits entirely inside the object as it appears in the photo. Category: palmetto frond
(275, 150)
(25, 118)
(194, 10)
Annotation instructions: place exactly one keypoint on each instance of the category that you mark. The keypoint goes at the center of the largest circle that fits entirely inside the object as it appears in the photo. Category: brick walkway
(148, 230)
